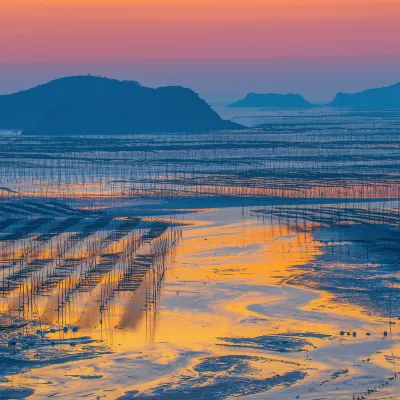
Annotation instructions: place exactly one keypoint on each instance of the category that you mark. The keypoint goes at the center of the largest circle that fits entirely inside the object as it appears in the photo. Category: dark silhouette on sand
(372, 98)
(94, 105)
(273, 100)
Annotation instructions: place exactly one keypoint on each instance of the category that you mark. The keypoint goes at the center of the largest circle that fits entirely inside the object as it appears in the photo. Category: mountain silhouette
(94, 105)
(372, 98)
(273, 100)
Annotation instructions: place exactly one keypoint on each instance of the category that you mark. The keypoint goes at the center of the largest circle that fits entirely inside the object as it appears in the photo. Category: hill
(273, 100)
(372, 98)
(94, 105)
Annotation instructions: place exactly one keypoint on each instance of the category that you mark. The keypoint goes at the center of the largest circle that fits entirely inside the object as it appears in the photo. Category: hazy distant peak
(290, 100)
(388, 96)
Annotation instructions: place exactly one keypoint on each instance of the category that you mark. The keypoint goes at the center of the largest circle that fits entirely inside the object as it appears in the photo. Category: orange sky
(76, 30)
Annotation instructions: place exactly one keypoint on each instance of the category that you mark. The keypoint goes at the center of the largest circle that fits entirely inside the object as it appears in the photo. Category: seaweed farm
(261, 263)
(339, 155)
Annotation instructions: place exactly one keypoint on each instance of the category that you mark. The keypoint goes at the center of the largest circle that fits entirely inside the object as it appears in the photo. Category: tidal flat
(260, 264)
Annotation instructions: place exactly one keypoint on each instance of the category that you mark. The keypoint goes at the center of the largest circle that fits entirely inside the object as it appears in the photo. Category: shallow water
(224, 325)
(260, 264)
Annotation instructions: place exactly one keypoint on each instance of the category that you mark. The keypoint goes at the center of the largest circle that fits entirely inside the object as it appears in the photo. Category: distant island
(95, 105)
(372, 98)
(273, 100)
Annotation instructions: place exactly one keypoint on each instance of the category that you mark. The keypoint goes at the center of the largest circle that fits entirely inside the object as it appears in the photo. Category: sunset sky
(220, 42)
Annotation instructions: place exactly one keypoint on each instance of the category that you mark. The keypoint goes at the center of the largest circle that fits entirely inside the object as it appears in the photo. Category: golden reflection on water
(225, 279)
(242, 253)
(246, 251)
(211, 256)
